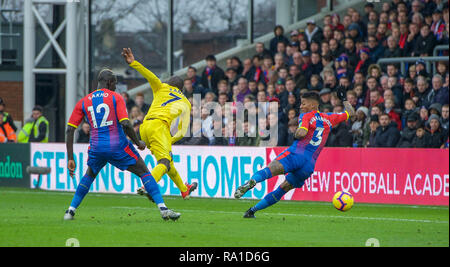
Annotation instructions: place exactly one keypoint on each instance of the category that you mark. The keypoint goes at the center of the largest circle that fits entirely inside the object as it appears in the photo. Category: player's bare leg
(275, 168)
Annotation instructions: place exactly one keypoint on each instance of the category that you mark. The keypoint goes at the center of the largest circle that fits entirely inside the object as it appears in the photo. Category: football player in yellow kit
(169, 103)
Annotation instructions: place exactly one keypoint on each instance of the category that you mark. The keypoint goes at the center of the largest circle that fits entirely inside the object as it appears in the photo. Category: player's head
(107, 79)
(177, 82)
(310, 102)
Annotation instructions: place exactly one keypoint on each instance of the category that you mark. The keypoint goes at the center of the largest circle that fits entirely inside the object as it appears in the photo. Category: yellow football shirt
(169, 102)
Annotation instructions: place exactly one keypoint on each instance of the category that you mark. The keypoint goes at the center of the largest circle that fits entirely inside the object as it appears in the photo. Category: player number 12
(105, 116)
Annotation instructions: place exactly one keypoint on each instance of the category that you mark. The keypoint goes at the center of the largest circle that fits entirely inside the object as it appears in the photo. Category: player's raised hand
(128, 55)
(71, 165)
(141, 145)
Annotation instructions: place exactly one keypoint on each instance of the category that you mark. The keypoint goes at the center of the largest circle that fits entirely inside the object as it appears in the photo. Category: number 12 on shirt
(99, 109)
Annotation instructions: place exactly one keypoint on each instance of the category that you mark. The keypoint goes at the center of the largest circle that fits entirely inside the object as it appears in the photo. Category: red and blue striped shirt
(104, 110)
(318, 125)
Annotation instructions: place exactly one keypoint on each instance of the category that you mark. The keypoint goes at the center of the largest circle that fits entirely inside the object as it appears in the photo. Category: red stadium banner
(390, 176)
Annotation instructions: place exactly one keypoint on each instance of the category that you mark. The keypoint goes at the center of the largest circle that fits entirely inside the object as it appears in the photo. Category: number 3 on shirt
(319, 131)
(104, 123)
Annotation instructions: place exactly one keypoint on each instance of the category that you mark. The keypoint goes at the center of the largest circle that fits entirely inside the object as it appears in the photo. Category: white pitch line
(309, 215)
(241, 200)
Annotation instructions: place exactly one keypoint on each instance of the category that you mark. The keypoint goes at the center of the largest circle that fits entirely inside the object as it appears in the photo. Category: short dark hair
(210, 58)
(38, 108)
(176, 81)
(106, 75)
(192, 68)
(311, 96)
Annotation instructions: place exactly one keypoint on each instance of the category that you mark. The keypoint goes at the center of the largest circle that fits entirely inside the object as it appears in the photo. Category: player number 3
(318, 135)
(104, 123)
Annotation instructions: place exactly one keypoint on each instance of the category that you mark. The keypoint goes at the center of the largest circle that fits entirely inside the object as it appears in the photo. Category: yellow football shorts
(156, 135)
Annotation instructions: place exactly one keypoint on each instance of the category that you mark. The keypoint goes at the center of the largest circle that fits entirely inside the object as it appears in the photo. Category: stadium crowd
(338, 61)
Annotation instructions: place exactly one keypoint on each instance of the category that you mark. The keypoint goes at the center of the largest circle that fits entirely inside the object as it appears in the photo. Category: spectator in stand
(325, 97)
(84, 133)
(422, 92)
(275, 123)
(340, 136)
(336, 23)
(268, 69)
(350, 51)
(393, 115)
(375, 49)
(236, 63)
(243, 90)
(439, 94)
(422, 138)
(136, 114)
(362, 122)
(364, 61)
(247, 65)
(387, 134)
(140, 103)
(331, 82)
(128, 101)
(6, 116)
(232, 76)
(279, 37)
(261, 50)
(425, 43)
(192, 75)
(375, 98)
(409, 108)
(255, 72)
(300, 80)
(393, 49)
(421, 69)
(442, 68)
(370, 136)
(212, 74)
(409, 132)
(445, 117)
(336, 48)
(313, 32)
(438, 135)
(424, 115)
(7, 134)
(40, 131)
(189, 90)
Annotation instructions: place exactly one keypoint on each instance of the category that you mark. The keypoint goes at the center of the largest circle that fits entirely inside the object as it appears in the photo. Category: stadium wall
(394, 176)
(14, 159)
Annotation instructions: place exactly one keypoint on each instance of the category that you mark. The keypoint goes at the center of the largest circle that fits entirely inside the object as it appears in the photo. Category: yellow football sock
(158, 172)
(176, 178)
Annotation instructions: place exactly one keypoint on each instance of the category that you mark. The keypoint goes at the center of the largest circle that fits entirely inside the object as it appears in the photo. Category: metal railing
(436, 51)
(404, 60)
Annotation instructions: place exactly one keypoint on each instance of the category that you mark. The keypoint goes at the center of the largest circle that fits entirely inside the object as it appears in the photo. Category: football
(343, 201)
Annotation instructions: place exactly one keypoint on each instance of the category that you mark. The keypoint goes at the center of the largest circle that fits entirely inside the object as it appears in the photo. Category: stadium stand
(389, 60)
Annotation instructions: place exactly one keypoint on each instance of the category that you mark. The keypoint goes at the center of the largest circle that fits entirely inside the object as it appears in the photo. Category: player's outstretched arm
(71, 165)
(154, 81)
(129, 131)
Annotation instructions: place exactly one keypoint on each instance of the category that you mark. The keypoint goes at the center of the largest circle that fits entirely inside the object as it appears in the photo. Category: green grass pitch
(35, 218)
